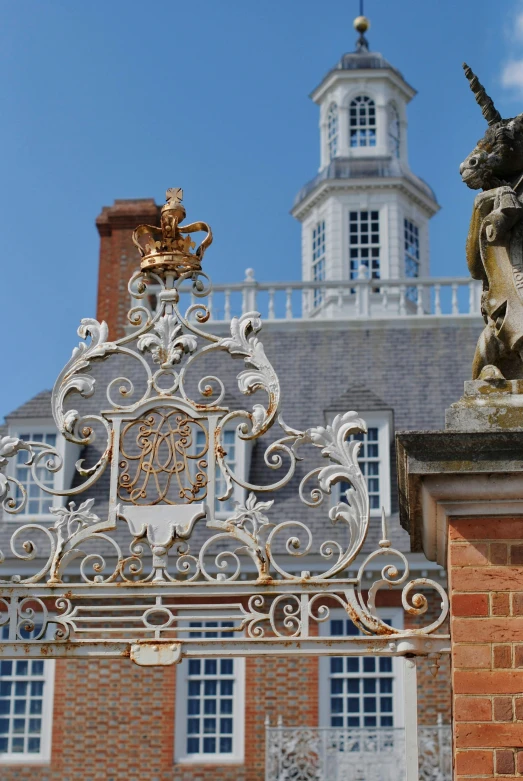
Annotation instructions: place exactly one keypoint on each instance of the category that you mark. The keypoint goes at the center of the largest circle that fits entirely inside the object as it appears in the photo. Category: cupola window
(318, 260)
(394, 131)
(332, 130)
(412, 259)
(364, 243)
(362, 121)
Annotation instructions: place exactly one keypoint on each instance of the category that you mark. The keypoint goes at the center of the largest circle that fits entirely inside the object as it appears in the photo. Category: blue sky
(122, 99)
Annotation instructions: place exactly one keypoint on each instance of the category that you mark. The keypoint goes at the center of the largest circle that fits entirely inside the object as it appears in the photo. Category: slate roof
(365, 60)
(37, 407)
(322, 367)
(357, 398)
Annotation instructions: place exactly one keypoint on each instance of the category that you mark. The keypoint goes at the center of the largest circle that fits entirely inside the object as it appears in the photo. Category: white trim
(443, 496)
(410, 698)
(44, 755)
(396, 615)
(238, 718)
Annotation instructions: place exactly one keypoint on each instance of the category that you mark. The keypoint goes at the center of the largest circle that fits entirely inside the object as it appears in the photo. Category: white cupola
(365, 213)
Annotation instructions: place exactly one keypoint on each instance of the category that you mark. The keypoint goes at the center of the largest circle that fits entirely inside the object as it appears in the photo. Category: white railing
(344, 299)
(336, 754)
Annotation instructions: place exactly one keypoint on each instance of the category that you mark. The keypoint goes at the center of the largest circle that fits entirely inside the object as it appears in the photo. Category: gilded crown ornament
(170, 248)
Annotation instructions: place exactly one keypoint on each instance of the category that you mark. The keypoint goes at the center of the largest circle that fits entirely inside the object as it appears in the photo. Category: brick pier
(461, 497)
(486, 590)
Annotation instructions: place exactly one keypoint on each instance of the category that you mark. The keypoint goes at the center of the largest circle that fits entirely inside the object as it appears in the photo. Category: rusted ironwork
(166, 464)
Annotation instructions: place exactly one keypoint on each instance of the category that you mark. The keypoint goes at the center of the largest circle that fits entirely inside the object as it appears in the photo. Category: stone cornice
(328, 186)
(444, 474)
(358, 74)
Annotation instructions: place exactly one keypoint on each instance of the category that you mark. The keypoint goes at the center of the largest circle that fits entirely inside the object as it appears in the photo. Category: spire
(361, 24)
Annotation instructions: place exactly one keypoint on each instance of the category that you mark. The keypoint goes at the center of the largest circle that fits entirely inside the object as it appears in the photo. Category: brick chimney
(119, 257)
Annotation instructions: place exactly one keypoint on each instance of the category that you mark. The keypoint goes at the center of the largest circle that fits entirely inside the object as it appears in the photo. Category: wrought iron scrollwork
(165, 449)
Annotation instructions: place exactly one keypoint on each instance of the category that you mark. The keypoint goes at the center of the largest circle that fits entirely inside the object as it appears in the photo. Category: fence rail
(369, 754)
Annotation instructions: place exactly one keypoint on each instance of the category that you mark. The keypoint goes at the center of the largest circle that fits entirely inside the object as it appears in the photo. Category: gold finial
(361, 24)
(169, 247)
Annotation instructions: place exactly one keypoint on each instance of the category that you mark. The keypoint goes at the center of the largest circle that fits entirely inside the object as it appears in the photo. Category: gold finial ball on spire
(361, 24)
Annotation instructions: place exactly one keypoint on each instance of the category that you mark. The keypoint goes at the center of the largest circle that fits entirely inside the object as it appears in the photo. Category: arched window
(394, 130)
(332, 130)
(362, 121)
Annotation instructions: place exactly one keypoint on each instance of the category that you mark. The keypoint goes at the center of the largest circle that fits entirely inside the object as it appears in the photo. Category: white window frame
(394, 130)
(319, 259)
(238, 715)
(370, 103)
(332, 130)
(396, 615)
(68, 451)
(411, 226)
(44, 755)
(383, 422)
(359, 246)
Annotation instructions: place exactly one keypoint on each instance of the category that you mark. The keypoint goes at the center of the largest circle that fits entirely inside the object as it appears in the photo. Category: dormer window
(332, 130)
(394, 131)
(38, 502)
(237, 457)
(362, 121)
(374, 461)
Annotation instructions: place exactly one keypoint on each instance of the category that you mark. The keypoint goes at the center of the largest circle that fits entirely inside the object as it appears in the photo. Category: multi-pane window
(318, 259)
(362, 121)
(364, 242)
(394, 130)
(369, 461)
(332, 130)
(210, 702)
(411, 234)
(230, 447)
(361, 688)
(25, 690)
(411, 249)
(38, 502)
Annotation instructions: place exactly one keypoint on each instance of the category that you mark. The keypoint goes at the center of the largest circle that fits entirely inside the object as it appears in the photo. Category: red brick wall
(119, 258)
(486, 589)
(114, 721)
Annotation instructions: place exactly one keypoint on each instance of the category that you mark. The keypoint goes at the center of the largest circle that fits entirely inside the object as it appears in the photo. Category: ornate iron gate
(72, 589)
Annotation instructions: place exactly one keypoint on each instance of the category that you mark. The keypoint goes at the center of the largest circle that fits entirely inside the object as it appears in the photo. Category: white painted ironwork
(355, 754)
(129, 580)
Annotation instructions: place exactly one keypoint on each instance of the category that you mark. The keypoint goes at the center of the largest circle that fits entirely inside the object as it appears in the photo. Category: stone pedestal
(461, 499)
